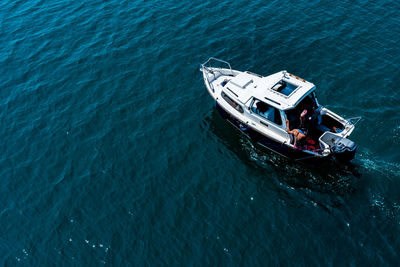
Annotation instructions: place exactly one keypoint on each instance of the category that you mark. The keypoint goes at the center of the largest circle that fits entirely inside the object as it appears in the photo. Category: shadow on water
(333, 178)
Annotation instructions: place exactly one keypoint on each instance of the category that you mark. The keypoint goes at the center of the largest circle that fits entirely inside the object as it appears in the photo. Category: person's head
(262, 107)
(303, 130)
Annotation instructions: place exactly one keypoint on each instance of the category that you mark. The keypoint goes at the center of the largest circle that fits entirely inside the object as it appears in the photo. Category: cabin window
(231, 102)
(266, 111)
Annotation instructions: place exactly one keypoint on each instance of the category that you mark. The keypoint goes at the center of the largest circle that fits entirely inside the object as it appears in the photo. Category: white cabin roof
(247, 85)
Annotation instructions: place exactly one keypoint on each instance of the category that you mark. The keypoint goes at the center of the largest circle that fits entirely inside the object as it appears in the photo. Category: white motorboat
(280, 112)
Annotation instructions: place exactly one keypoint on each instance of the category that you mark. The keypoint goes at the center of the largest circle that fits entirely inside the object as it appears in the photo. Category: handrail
(204, 65)
(350, 122)
(356, 119)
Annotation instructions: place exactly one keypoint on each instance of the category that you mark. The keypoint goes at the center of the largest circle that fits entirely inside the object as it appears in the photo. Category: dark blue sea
(112, 152)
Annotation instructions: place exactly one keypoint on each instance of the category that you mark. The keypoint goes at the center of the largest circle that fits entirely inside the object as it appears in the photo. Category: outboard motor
(344, 149)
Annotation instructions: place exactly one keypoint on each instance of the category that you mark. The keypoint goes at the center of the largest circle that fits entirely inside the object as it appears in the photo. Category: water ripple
(112, 152)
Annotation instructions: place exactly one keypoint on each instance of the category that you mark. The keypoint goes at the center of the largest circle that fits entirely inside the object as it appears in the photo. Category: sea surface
(112, 152)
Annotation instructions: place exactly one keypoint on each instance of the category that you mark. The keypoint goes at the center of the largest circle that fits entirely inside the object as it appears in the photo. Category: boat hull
(272, 145)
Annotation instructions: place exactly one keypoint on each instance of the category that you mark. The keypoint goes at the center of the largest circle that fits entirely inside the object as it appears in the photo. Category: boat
(280, 112)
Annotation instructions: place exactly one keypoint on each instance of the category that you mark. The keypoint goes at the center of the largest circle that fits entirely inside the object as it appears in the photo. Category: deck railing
(207, 67)
(353, 120)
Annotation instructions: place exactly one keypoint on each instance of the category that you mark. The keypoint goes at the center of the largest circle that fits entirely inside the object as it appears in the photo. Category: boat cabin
(279, 97)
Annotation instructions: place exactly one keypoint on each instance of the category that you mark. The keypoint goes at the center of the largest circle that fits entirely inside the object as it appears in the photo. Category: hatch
(284, 87)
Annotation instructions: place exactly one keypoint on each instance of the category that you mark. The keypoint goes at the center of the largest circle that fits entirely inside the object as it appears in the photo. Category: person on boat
(307, 112)
(261, 107)
(303, 118)
(299, 135)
